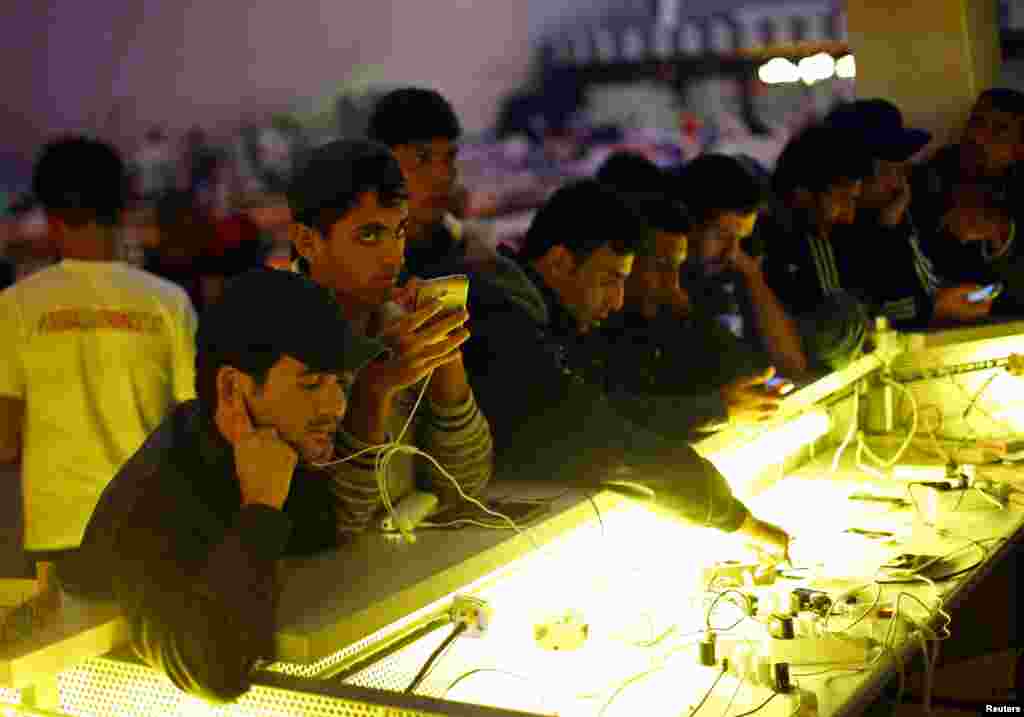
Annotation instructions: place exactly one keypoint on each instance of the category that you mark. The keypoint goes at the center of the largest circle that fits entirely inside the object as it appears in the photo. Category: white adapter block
(412, 510)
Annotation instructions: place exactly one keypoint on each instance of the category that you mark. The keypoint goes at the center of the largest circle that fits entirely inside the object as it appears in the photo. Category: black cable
(710, 690)
(422, 674)
(759, 707)
(711, 609)
(597, 511)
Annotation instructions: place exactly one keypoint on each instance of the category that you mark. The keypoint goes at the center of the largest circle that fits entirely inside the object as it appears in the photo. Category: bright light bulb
(816, 68)
(846, 67)
(778, 70)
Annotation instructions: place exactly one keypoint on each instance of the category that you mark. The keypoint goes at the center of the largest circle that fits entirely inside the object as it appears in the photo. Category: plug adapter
(472, 612)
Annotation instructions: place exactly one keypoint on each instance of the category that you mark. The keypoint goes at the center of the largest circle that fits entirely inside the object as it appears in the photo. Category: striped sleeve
(923, 266)
(354, 483)
(459, 439)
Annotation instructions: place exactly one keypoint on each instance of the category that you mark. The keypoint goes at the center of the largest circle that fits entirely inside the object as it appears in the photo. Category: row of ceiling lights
(809, 70)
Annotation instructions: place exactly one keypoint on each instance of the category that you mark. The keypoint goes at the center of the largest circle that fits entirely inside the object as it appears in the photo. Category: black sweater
(192, 569)
(550, 422)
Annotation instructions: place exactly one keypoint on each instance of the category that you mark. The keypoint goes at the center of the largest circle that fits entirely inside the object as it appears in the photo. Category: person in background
(664, 363)
(968, 202)
(154, 166)
(184, 234)
(904, 287)
(187, 535)
(723, 273)
(814, 197)
(549, 421)
(349, 205)
(422, 130)
(96, 353)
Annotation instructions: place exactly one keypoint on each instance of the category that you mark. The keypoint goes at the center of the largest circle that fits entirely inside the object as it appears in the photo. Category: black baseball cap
(335, 174)
(275, 311)
(880, 125)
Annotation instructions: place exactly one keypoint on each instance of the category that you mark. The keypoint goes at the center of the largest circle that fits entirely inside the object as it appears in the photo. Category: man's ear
(306, 240)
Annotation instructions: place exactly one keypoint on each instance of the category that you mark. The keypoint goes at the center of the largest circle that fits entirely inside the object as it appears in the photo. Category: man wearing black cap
(421, 128)
(967, 201)
(904, 287)
(349, 205)
(187, 534)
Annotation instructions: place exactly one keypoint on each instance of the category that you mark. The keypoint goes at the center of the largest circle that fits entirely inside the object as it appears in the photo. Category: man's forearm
(782, 340)
(367, 416)
(449, 385)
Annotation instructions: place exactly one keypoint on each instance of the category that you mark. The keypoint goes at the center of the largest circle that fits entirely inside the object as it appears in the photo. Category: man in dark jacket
(967, 201)
(422, 130)
(723, 273)
(548, 419)
(190, 528)
(903, 286)
(663, 361)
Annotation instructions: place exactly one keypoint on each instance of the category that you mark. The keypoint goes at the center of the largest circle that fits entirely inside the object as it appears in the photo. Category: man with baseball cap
(186, 535)
(904, 287)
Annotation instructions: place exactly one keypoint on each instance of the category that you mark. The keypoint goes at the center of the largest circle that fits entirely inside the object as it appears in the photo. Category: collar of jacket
(559, 318)
(214, 450)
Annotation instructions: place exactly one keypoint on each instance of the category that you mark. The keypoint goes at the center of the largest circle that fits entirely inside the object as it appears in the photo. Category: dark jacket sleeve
(549, 422)
(204, 627)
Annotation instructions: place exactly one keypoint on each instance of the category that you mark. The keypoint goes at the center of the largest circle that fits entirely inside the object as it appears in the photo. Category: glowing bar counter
(357, 624)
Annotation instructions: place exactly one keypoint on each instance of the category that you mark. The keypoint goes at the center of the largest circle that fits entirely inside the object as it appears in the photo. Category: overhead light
(816, 68)
(846, 67)
(777, 71)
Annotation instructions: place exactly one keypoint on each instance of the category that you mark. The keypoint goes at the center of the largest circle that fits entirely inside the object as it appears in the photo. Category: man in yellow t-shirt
(95, 352)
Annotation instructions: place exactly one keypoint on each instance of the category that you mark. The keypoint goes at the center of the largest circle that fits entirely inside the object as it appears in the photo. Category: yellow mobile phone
(452, 290)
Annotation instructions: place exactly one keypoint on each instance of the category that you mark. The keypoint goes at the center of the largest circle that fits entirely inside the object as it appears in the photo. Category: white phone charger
(411, 510)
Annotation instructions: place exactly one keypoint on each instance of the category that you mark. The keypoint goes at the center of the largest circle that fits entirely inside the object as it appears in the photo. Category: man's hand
(748, 400)
(893, 213)
(744, 263)
(767, 538)
(951, 305)
(419, 344)
(264, 464)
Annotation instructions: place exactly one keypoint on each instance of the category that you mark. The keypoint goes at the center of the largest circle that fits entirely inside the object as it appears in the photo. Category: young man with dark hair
(722, 275)
(524, 362)
(665, 363)
(903, 286)
(187, 534)
(350, 209)
(968, 201)
(817, 183)
(96, 352)
(422, 130)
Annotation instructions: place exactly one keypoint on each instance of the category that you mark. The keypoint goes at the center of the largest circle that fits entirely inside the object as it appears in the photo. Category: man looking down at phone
(186, 535)
(524, 362)
(351, 213)
(904, 287)
(968, 201)
(666, 363)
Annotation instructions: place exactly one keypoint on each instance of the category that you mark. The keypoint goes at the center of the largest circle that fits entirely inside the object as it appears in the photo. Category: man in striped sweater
(351, 212)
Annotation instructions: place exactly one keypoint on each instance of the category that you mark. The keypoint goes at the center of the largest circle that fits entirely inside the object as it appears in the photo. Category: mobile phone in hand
(985, 293)
(453, 291)
(782, 385)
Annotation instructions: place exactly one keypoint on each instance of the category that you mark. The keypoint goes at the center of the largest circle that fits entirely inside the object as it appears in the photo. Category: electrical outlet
(472, 612)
